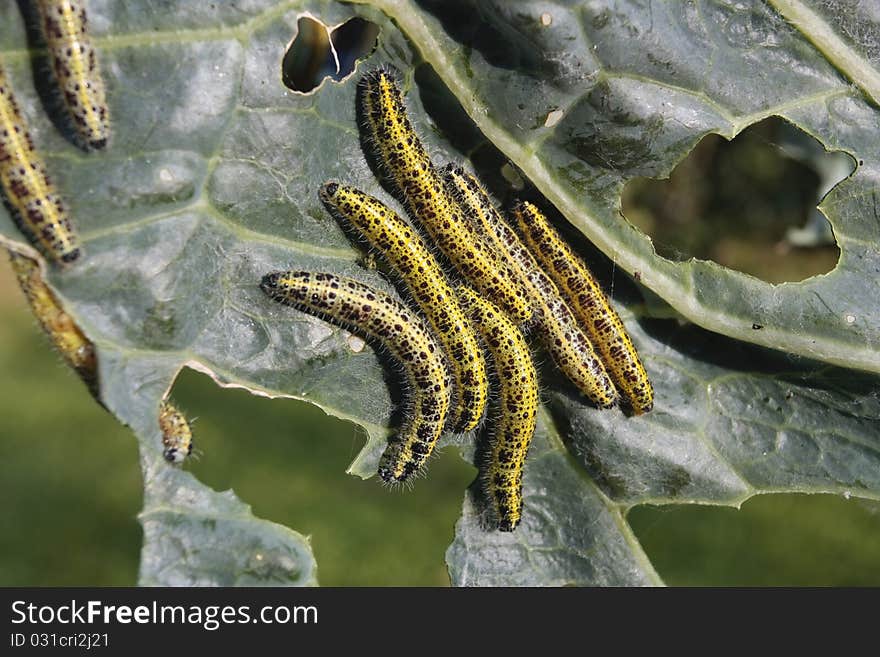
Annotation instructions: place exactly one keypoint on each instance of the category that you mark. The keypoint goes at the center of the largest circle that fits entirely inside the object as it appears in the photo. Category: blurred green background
(71, 485)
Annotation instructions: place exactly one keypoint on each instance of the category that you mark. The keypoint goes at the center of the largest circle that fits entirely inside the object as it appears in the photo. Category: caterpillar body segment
(177, 438)
(32, 198)
(75, 64)
(514, 425)
(374, 314)
(76, 349)
(406, 252)
(589, 303)
(398, 147)
(557, 327)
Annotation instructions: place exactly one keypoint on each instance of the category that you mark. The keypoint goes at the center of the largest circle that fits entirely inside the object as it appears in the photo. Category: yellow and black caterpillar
(585, 296)
(35, 204)
(389, 130)
(405, 335)
(177, 438)
(76, 349)
(502, 285)
(558, 329)
(410, 257)
(517, 408)
(76, 69)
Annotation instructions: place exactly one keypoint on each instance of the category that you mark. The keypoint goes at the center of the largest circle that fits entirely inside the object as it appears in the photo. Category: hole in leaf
(288, 459)
(354, 40)
(774, 540)
(748, 204)
(317, 53)
(309, 58)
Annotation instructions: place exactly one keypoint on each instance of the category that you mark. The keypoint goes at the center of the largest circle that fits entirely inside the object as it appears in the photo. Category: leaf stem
(829, 43)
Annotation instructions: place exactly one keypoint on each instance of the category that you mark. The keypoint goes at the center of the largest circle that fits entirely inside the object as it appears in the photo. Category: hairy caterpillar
(75, 64)
(403, 333)
(176, 433)
(518, 407)
(407, 253)
(590, 304)
(557, 327)
(76, 349)
(389, 130)
(31, 196)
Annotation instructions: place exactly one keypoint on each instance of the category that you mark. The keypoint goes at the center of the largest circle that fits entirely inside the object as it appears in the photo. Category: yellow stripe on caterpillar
(406, 336)
(388, 129)
(517, 413)
(558, 329)
(76, 349)
(177, 438)
(590, 305)
(75, 63)
(403, 248)
(34, 203)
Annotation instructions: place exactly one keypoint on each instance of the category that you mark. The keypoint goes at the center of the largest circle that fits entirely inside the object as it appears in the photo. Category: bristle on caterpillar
(32, 199)
(557, 327)
(514, 425)
(75, 64)
(76, 349)
(398, 147)
(375, 315)
(590, 305)
(403, 248)
(177, 438)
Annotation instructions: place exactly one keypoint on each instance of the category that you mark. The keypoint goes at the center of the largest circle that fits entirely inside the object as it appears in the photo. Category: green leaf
(572, 534)
(211, 181)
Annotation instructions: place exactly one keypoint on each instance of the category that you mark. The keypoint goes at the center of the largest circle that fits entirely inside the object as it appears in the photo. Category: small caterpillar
(518, 407)
(558, 329)
(388, 128)
(75, 63)
(76, 349)
(31, 196)
(590, 304)
(403, 333)
(407, 253)
(176, 433)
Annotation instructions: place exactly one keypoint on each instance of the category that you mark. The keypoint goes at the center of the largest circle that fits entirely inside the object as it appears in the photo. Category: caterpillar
(76, 349)
(590, 305)
(517, 407)
(177, 439)
(75, 63)
(387, 127)
(407, 253)
(403, 333)
(34, 203)
(557, 327)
